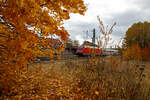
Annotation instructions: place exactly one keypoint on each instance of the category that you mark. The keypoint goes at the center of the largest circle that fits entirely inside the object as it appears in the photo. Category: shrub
(133, 52)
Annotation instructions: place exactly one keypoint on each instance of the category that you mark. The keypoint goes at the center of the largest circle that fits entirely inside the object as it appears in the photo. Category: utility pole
(87, 34)
(93, 39)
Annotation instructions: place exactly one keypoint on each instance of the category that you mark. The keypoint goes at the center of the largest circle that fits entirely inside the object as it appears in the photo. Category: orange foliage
(21, 24)
(133, 52)
(146, 53)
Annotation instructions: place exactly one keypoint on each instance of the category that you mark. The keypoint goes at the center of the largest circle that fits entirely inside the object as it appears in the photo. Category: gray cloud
(80, 28)
(138, 11)
(143, 4)
(126, 19)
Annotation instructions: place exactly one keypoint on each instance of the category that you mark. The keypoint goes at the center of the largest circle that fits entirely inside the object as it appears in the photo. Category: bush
(133, 52)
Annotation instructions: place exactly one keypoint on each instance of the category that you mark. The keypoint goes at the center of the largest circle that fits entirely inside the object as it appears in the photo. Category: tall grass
(94, 78)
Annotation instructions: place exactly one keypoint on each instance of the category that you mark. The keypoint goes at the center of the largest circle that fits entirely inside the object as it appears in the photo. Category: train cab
(88, 50)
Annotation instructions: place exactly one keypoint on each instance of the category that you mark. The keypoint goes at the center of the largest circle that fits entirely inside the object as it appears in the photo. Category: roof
(89, 44)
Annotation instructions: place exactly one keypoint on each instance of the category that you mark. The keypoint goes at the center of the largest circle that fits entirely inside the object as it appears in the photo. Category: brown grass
(94, 78)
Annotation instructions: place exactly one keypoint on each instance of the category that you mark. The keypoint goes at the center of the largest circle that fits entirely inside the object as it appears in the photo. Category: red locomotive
(88, 48)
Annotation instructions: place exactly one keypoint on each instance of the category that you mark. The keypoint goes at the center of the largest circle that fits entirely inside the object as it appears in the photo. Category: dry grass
(88, 79)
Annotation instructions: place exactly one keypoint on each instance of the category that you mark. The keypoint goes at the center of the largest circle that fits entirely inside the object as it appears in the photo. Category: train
(88, 48)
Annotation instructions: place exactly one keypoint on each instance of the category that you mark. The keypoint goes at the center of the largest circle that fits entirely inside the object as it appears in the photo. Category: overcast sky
(123, 12)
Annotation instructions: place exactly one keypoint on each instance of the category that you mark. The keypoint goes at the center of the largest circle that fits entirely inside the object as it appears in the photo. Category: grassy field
(94, 78)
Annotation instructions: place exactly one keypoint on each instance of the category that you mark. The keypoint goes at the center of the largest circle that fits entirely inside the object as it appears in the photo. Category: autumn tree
(136, 41)
(21, 23)
(138, 33)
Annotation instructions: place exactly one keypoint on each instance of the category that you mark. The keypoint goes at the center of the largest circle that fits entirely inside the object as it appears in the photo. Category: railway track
(46, 59)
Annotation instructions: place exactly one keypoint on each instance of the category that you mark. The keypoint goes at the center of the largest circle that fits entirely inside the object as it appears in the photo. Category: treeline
(136, 43)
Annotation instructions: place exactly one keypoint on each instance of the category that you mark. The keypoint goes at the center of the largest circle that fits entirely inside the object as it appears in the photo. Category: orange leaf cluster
(137, 53)
(24, 24)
